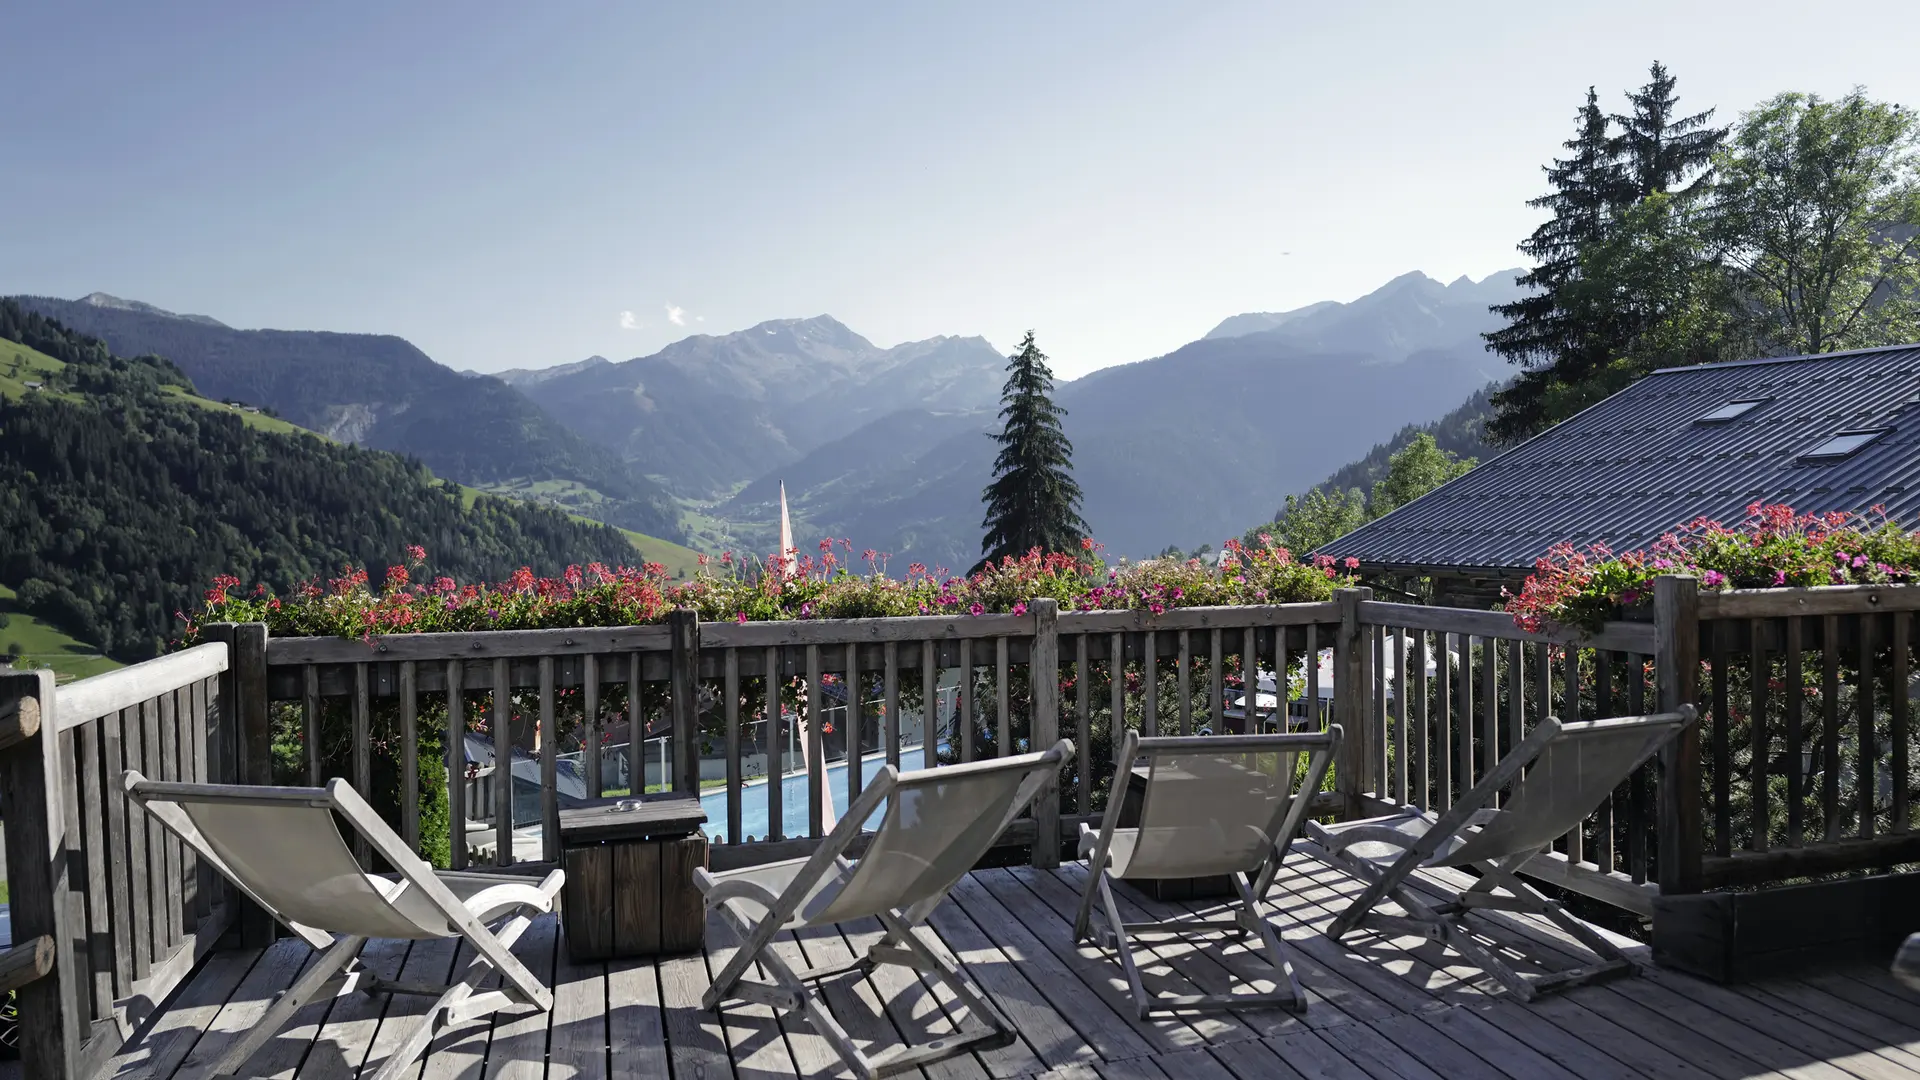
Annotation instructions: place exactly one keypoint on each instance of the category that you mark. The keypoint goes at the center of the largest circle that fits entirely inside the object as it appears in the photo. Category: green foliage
(381, 392)
(1033, 503)
(1327, 513)
(1818, 223)
(1600, 287)
(1671, 244)
(129, 494)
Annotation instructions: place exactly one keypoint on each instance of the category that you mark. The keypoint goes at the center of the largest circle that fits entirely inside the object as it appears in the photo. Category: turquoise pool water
(793, 797)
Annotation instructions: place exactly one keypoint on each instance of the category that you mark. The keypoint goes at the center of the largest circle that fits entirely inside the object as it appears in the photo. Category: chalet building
(1837, 431)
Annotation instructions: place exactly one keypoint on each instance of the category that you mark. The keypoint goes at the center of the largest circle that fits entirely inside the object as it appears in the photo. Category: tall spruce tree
(1659, 152)
(1033, 501)
(1540, 334)
(1572, 331)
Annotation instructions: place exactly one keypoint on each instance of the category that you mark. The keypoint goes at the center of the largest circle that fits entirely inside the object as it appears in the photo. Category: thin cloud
(676, 315)
(629, 321)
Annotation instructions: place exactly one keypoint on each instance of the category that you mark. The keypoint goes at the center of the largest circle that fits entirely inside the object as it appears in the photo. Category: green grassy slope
(20, 365)
(41, 646)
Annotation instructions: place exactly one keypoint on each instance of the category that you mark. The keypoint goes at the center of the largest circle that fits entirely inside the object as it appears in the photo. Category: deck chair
(1215, 805)
(1560, 773)
(280, 847)
(937, 824)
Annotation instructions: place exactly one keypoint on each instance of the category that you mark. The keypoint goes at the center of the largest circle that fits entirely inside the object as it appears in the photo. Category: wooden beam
(1676, 601)
(1043, 677)
(32, 801)
(19, 721)
(25, 962)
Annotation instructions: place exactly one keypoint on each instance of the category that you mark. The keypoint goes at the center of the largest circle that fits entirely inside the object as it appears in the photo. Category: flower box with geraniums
(1773, 548)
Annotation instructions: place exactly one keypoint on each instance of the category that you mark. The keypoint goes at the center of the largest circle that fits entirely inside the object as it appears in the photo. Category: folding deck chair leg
(304, 989)
(446, 1011)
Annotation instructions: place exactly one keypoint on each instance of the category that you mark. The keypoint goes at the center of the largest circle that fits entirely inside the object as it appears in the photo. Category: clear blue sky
(506, 184)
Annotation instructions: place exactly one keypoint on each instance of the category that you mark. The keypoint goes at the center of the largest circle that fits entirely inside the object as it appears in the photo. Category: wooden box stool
(630, 865)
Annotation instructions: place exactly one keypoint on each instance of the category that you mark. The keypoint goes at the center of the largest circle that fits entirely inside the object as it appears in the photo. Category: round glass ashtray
(625, 805)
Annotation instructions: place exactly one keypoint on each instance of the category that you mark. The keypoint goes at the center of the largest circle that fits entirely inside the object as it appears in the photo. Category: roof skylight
(1732, 410)
(1845, 444)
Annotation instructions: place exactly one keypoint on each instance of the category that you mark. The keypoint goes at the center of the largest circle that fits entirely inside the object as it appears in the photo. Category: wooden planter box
(1737, 936)
(630, 890)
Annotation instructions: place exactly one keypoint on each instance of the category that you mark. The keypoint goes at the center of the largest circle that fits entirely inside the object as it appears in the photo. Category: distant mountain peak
(108, 300)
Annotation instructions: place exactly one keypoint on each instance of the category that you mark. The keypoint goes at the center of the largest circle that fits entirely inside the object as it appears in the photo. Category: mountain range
(379, 391)
(885, 446)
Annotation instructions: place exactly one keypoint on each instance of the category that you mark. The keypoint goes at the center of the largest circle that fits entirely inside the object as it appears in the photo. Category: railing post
(1043, 677)
(32, 803)
(1352, 693)
(245, 738)
(1676, 607)
(683, 686)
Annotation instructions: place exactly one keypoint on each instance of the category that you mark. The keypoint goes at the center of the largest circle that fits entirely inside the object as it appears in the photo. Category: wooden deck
(1380, 1010)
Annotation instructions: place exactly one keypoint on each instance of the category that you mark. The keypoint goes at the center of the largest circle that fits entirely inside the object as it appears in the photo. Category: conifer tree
(1658, 152)
(1540, 333)
(1033, 501)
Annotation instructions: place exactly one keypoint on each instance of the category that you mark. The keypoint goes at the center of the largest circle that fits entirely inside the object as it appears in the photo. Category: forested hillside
(379, 391)
(126, 496)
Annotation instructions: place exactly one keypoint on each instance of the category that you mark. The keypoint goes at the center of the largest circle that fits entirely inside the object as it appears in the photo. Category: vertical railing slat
(1640, 835)
(169, 910)
(1722, 747)
(1489, 750)
(963, 703)
(1402, 689)
(1150, 687)
(549, 736)
(929, 706)
(636, 728)
(1423, 791)
(730, 681)
(1760, 674)
(1867, 758)
(1443, 725)
(310, 722)
(1793, 683)
(456, 764)
(1083, 727)
(890, 703)
(410, 755)
(1216, 686)
(158, 839)
(1899, 687)
(502, 763)
(816, 753)
(96, 864)
(591, 759)
(856, 720)
(1830, 736)
(118, 854)
(776, 747)
(1002, 714)
(362, 753)
(1603, 707)
(1183, 672)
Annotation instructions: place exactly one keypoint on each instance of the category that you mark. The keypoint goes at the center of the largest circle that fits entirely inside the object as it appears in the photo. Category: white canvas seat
(1559, 773)
(1215, 805)
(937, 825)
(282, 848)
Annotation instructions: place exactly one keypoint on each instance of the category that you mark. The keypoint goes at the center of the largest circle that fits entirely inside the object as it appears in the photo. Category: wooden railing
(1450, 691)
(705, 689)
(124, 909)
(1808, 747)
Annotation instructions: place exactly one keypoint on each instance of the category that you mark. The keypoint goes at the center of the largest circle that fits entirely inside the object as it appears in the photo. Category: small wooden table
(630, 865)
(1205, 888)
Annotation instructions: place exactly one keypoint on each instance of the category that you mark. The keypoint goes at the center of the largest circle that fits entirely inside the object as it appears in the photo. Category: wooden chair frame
(338, 972)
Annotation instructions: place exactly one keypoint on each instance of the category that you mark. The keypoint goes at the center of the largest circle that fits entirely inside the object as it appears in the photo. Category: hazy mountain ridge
(379, 391)
(1183, 448)
(711, 412)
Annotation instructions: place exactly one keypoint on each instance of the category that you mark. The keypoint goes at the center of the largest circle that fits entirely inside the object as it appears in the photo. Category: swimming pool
(793, 797)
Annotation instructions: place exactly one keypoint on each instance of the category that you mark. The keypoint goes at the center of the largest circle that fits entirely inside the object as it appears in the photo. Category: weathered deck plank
(1382, 1009)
